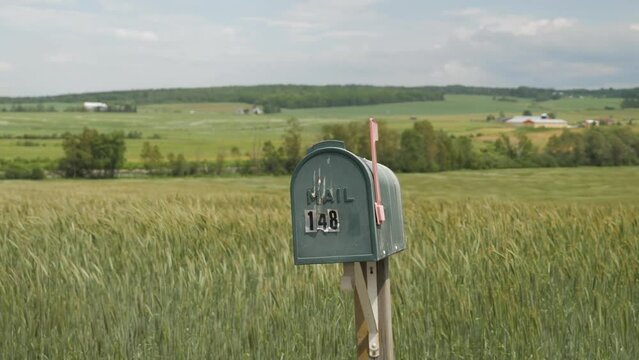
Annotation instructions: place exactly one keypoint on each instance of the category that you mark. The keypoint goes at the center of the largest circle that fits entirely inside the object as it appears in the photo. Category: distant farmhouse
(95, 106)
(590, 123)
(597, 122)
(537, 122)
(255, 110)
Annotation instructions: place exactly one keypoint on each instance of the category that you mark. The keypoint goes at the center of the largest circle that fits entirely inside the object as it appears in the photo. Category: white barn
(537, 122)
(95, 106)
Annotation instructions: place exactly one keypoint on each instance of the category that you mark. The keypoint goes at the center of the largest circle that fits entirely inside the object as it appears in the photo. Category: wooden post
(361, 328)
(385, 318)
(385, 311)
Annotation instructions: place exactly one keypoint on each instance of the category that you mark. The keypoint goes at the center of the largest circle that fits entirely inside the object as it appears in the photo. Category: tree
(444, 155)
(525, 148)
(350, 133)
(620, 152)
(388, 145)
(292, 144)
(568, 149)
(465, 157)
(92, 154)
(355, 136)
(178, 165)
(630, 103)
(527, 113)
(411, 154)
(77, 158)
(219, 163)
(108, 153)
(628, 137)
(272, 159)
(429, 147)
(235, 152)
(598, 150)
(151, 157)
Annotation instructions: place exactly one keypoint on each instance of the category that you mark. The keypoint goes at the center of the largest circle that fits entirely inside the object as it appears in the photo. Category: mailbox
(333, 208)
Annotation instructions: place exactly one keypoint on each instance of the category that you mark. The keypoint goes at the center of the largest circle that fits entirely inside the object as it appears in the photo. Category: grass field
(500, 265)
(200, 131)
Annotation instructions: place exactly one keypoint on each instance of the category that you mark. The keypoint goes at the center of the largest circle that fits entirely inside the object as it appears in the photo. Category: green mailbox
(333, 206)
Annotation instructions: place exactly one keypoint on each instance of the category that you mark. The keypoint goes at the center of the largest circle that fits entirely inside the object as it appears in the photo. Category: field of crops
(202, 268)
(200, 131)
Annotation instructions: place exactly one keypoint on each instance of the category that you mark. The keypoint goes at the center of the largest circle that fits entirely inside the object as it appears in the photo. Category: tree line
(596, 147)
(275, 97)
(630, 98)
(39, 107)
(89, 154)
(275, 160)
(421, 148)
(271, 98)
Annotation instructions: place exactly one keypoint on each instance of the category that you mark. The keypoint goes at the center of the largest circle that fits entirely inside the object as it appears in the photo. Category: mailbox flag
(374, 136)
(374, 132)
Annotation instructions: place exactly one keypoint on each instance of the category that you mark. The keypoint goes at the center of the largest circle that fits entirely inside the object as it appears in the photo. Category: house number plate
(326, 221)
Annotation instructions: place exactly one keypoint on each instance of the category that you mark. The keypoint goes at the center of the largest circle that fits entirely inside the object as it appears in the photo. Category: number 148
(322, 221)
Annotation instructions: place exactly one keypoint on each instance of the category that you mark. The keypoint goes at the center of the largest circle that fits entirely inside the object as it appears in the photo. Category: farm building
(590, 123)
(255, 110)
(95, 106)
(537, 122)
(597, 122)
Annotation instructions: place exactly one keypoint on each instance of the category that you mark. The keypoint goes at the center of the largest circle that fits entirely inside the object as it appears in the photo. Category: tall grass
(509, 280)
(138, 271)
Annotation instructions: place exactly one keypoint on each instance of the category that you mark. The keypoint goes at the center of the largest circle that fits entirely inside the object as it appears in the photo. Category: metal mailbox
(333, 206)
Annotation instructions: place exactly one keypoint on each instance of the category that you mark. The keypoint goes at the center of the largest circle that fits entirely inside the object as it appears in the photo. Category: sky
(50, 47)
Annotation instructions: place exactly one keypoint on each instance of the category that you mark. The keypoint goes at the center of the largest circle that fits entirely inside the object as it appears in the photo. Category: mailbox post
(346, 209)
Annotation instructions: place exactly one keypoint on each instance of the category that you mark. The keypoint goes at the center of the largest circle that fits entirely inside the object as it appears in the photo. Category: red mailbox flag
(374, 136)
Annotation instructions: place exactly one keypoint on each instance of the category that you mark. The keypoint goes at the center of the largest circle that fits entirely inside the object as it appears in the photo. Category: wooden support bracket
(368, 301)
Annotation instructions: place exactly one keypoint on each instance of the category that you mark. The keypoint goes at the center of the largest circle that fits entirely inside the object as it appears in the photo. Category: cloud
(229, 31)
(331, 10)
(5, 66)
(348, 34)
(59, 58)
(477, 20)
(465, 12)
(130, 34)
(118, 6)
(48, 20)
(575, 69)
(293, 25)
(307, 41)
(534, 27)
(458, 72)
(46, 2)
(321, 19)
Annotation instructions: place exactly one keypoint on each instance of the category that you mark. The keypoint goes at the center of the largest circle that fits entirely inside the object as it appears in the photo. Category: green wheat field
(518, 264)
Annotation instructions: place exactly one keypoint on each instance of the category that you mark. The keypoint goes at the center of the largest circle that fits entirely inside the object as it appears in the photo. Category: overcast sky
(62, 46)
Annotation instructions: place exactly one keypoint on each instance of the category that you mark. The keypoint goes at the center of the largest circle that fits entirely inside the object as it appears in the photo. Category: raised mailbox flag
(380, 216)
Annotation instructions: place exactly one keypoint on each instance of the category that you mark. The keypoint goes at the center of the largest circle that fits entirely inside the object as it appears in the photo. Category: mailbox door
(332, 212)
